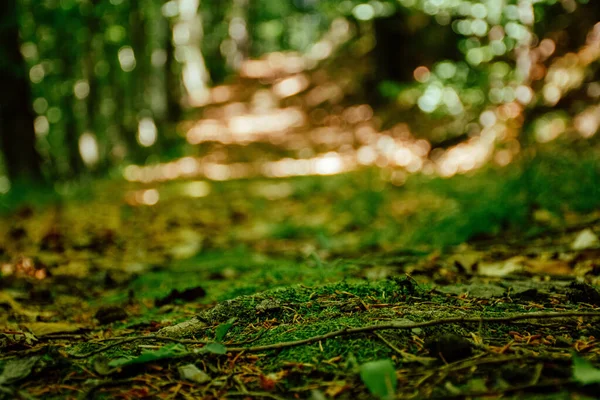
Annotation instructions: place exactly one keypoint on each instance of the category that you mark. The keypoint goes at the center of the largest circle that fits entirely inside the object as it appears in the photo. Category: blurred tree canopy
(91, 84)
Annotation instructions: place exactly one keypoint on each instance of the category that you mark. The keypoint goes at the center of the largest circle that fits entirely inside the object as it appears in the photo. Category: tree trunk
(16, 116)
(76, 165)
(172, 80)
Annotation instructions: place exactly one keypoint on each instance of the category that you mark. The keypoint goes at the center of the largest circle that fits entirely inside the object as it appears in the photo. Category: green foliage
(364, 206)
(214, 348)
(502, 201)
(99, 68)
(380, 378)
(17, 369)
(40, 195)
(293, 231)
(222, 329)
(561, 185)
(584, 372)
(487, 206)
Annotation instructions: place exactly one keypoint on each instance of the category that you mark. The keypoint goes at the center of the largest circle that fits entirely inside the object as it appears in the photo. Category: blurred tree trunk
(117, 82)
(16, 116)
(71, 54)
(172, 79)
(133, 90)
(214, 19)
(92, 101)
(76, 165)
(404, 42)
(140, 76)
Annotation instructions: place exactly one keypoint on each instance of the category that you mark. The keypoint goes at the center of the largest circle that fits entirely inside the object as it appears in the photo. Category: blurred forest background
(298, 157)
(237, 88)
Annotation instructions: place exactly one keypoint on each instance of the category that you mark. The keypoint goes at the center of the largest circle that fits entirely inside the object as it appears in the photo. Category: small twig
(240, 384)
(349, 331)
(395, 325)
(122, 340)
(62, 336)
(406, 357)
(537, 375)
(154, 337)
(103, 348)
(254, 339)
(479, 360)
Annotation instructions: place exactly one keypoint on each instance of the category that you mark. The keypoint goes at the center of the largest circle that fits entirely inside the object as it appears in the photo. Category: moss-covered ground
(279, 288)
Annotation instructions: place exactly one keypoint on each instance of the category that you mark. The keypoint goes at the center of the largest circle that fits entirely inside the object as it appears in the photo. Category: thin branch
(155, 337)
(128, 339)
(472, 362)
(395, 325)
(349, 331)
(254, 339)
(406, 357)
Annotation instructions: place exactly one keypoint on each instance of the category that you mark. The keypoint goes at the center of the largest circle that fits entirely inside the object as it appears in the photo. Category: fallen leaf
(192, 373)
(586, 239)
(317, 395)
(549, 267)
(49, 328)
(17, 369)
(502, 268)
(186, 328)
(214, 348)
(380, 378)
(584, 372)
(169, 351)
(222, 329)
(336, 388)
(7, 299)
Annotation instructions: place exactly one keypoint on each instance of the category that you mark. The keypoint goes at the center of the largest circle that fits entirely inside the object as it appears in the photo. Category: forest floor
(343, 287)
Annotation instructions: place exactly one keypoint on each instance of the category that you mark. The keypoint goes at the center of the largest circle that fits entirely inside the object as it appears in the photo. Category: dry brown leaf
(503, 268)
(49, 328)
(550, 267)
(586, 239)
(336, 388)
(6, 299)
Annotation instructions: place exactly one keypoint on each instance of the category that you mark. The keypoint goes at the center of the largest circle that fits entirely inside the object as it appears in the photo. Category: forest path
(245, 264)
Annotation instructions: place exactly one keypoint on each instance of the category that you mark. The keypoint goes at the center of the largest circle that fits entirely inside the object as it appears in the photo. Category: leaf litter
(238, 296)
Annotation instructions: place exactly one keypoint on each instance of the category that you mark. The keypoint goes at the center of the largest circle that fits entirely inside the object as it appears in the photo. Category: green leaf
(584, 371)
(380, 378)
(168, 351)
(215, 348)
(17, 369)
(222, 329)
(192, 373)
